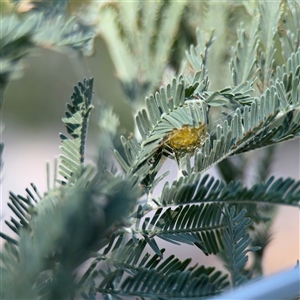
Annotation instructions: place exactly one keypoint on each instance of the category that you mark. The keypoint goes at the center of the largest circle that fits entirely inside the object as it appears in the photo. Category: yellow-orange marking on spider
(186, 138)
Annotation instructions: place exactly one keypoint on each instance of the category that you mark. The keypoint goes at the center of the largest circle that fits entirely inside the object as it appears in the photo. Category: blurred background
(35, 104)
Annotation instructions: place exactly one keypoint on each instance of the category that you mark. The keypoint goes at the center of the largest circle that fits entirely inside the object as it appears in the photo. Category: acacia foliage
(98, 215)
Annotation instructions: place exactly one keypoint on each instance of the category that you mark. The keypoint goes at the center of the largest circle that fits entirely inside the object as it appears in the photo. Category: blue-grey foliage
(113, 223)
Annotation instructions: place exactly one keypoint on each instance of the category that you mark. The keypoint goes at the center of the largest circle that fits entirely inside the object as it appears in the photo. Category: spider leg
(168, 151)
